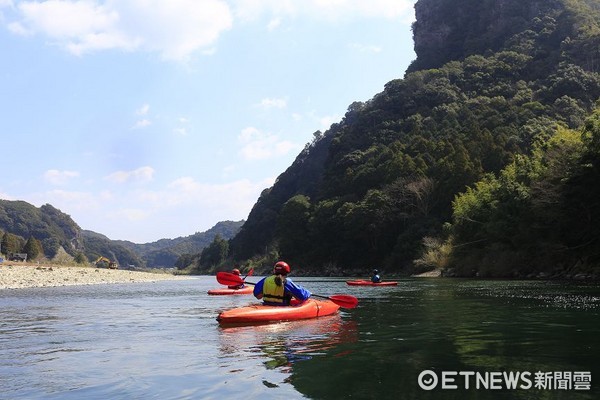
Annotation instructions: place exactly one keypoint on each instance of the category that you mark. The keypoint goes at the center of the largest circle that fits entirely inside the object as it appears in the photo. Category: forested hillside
(166, 252)
(48, 233)
(490, 113)
(20, 221)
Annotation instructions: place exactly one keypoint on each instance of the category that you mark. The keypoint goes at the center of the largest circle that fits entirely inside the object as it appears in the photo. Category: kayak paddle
(249, 273)
(342, 300)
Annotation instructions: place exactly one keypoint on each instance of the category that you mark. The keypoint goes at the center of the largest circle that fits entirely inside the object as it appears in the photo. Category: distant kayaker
(278, 289)
(236, 271)
(376, 278)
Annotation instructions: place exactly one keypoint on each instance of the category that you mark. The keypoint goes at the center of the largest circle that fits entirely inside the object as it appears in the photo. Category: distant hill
(55, 230)
(96, 245)
(164, 252)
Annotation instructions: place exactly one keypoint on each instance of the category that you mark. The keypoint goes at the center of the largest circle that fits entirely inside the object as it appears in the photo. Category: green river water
(161, 341)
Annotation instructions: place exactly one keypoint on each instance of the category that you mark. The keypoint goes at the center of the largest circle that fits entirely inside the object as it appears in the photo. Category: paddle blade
(344, 300)
(250, 272)
(229, 279)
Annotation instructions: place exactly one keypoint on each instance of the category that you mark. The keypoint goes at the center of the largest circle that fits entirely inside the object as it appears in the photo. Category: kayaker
(236, 271)
(376, 278)
(278, 289)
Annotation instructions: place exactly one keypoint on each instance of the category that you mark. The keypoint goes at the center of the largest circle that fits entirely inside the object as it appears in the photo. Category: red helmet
(236, 271)
(281, 267)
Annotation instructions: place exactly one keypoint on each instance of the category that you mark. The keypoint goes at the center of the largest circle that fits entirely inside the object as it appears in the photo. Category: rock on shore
(25, 276)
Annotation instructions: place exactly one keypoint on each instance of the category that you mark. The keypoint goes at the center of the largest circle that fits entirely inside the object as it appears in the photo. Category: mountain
(50, 226)
(493, 83)
(96, 245)
(20, 221)
(165, 252)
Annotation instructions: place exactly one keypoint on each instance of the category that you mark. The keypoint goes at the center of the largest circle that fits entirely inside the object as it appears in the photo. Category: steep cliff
(453, 30)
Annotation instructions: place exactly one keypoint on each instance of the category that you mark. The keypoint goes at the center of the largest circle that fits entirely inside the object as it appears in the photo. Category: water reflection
(281, 345)
(452, 325)
(162, 341)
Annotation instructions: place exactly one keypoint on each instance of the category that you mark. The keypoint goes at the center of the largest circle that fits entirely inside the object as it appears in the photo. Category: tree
(185, 260)
(33, 248)
(292, 228)
(215, 253)
(11, 243)
(80, 258)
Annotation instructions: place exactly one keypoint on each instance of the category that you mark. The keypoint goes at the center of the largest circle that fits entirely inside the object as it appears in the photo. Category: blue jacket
(290, 288)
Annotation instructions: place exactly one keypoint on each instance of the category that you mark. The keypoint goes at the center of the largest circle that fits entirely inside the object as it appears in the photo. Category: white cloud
(230, 199)
(365, 48)
(238, 196)
(194, 205)
(268, 103)
(142, 123)
(68, 201)
(324, 121)
(325, 9)
(257, 145)
(140, 175)
(327, 120)
(175, 28)
(6, 196)
(56, 177)
(273, 24)
(182, 130)
(135, 214)
(143, 110)
(66, 19)
(130, 214)
(228, 170)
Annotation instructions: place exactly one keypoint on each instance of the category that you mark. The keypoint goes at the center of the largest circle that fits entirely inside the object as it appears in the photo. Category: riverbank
(17, 276)
(436, 273)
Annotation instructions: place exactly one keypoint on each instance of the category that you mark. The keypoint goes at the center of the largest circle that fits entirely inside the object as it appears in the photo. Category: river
(161, 341)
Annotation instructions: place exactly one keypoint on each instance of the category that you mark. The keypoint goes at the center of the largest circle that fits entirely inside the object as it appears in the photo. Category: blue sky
(150, 119)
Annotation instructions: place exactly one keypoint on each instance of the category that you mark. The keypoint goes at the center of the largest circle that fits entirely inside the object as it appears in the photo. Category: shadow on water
(451, 325)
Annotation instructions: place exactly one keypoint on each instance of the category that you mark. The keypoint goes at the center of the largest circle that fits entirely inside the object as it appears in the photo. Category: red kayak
(227, 291)
(369, 283)
(261, 313)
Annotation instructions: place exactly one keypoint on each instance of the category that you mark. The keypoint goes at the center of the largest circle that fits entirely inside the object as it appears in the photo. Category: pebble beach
(17, 276)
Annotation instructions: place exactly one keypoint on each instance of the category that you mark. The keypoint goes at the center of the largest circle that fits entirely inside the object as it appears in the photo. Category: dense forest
(482, 160)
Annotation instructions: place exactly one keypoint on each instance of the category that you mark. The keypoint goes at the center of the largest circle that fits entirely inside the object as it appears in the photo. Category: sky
(151, 119)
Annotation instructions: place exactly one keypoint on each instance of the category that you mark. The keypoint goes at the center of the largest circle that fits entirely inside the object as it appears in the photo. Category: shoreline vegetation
(15, 275)
(18, 275)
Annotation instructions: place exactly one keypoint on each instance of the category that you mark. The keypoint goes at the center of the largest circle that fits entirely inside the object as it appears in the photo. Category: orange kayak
(369, 283)
(226, 291)
(261, 313)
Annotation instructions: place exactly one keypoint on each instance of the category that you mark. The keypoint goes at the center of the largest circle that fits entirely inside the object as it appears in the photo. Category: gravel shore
(15, 276)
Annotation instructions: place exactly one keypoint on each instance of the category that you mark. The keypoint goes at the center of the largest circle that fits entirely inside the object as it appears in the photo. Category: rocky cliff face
(447, 30)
